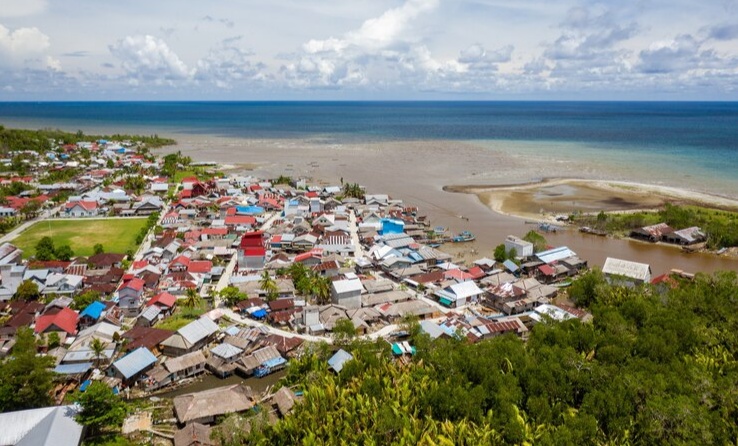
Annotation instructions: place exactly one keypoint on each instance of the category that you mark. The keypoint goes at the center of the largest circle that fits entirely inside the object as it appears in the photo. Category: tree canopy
(26, 381)
(657, 366)
(100, 407)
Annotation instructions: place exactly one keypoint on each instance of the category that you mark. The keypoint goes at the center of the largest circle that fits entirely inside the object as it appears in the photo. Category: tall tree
(98, 348)
(101, 408)
(192, 299)
(28, 290)
(269, 286)
(25, 378)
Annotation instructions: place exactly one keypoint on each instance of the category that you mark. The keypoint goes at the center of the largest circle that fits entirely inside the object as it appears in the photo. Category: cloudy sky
(368, 49)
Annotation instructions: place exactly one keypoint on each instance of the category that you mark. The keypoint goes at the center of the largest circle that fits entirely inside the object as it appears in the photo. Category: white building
(347, 293)
(617, 270)
(522, 247)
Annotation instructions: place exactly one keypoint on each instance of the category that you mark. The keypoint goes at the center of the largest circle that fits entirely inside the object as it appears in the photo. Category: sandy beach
(464, 187)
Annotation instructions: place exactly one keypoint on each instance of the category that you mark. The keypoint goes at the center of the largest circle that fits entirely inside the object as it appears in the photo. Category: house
(522, 248)
(191, 337)
(164, 301)
(91, 314)
(132, 366)
(145, 337)
(339, 360)
(653, 233)
(81, 209)
(687, 236)
(251, 251)
(65, 320)
(459, 294)
(62, 284)
(626, 272)
(203, 407)
(45, 426)
(130, 296)
(194, 434)
(347, 292)
(175, 369)
(266, 357)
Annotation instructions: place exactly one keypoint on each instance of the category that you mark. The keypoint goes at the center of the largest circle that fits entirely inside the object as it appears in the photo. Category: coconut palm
(98, 347)
(321, 289)
(269, 286)
(192, 299)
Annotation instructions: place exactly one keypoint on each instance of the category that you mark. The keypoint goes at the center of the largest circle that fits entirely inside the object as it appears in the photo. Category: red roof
(163, 300)
(200, 266)
(186, 193)
(139, 264)
(231, 211)
(311, 194)
(181, 260)
(134, 284)
(215, 231)
(65, 320)
(476, 273)
(240, 220)
(190, 180)
(307, 255)
(547, 270)
(251, 251)
(86, 205)
(457, 274)
(252, 239)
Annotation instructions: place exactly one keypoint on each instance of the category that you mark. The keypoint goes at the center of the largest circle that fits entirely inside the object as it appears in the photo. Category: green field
(117, 235)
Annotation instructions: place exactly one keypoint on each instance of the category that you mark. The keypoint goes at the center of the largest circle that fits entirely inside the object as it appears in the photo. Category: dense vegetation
(721, 227)
(657, 366)
(26, 381)
(39, 140)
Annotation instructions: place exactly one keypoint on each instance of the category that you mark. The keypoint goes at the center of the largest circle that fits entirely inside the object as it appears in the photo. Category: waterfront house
(653, 233)
(687, 236)
(176, 369)
(522, 248)
(203, 407)
(626, 272)
(191, 337)
(132, 366)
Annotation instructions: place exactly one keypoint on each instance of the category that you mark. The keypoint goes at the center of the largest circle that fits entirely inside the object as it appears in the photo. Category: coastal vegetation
(720, 226)
(26, 377)
(656, 366)
(117, 235)
(41, 140)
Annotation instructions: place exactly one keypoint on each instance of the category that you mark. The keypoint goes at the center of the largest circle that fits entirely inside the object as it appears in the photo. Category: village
(227, 274)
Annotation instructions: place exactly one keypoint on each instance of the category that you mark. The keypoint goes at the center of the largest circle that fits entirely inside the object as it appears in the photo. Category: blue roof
(85, 384)
(93, 310)
(339, 359)
(274, 362)
(249, 210)
(510, 265)
(72, 369)
(135, 362)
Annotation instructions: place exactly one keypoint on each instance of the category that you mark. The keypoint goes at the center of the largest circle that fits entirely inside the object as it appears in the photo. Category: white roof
(634, 270)
(197, 330)
(347, 286)
(553, 312)
(555, 254)
(40, 427)
(465, 289)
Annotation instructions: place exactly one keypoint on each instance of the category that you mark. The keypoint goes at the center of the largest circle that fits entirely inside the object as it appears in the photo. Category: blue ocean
(696, 137)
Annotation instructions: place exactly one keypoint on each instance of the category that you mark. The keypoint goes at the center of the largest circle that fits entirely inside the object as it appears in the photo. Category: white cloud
(149, 59)
(21, 8)
(23, 41)
(227, 65)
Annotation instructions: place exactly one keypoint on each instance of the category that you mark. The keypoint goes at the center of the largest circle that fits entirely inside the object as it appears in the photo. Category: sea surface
(666, 142)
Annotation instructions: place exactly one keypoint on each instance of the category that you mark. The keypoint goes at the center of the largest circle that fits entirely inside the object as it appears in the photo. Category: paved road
(354, 231)
(25, 225)
(233, 316)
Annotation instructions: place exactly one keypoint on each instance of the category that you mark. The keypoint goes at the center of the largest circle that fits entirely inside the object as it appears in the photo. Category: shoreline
(613, 196)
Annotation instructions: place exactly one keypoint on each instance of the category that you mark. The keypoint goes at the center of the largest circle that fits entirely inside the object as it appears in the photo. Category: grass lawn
(181, 317)
(117, 235)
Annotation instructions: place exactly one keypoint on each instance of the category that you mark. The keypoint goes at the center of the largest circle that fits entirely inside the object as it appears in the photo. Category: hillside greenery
(40, 140)
(720, 226)
(656, 366)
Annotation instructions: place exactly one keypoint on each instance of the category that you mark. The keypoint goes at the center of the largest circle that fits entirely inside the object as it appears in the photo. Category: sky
(368, 50)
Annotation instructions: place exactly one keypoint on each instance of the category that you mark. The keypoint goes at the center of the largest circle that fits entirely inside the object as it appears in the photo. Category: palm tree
(321, 289)
(98, 347)
(269, 286)
(192, 299)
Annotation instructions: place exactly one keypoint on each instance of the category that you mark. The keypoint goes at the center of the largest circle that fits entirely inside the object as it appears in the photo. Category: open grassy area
(115, 234)
(181, 317)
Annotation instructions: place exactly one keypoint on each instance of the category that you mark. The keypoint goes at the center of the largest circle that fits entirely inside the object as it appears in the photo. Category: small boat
(588, 230)
(465, 236)
(547, 227)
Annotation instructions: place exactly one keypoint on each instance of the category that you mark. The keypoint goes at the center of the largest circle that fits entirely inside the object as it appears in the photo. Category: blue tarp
(85, 385)
(94, 310)
(249, 210)
(391, 226)
(259, 314)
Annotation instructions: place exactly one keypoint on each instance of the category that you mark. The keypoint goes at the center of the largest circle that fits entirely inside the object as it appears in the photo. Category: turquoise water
(671, 142)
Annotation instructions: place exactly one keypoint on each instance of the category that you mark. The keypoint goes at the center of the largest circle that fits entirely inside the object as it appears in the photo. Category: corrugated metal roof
(556, 254)
(338, 360)
(135, 362)
(226, 351)
(633, 270)
(198, 330)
